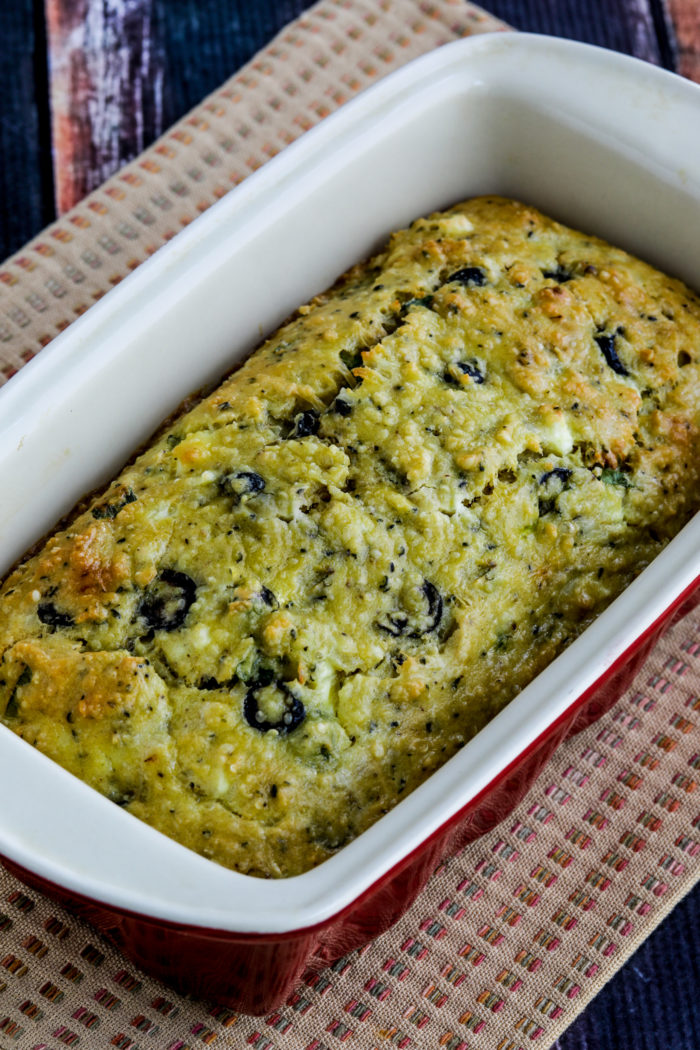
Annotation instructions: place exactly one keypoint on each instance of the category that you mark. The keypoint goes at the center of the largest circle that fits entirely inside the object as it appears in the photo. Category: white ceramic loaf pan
(602, 142)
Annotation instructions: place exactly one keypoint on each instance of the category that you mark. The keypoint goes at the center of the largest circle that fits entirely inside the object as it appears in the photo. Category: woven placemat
(513, 937)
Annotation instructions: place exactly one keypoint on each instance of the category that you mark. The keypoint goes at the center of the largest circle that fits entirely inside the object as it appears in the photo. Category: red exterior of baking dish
(254, 973)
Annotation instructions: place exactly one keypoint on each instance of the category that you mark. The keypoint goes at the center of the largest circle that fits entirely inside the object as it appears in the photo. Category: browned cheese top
(323, 580)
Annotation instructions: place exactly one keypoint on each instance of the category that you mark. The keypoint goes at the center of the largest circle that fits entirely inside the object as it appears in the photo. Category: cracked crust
(336, 568)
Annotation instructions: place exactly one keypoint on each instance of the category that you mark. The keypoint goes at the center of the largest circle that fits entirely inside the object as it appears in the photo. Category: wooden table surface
(88, 84)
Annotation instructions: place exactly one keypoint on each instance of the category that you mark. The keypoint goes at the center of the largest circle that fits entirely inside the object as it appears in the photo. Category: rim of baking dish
(116, 867)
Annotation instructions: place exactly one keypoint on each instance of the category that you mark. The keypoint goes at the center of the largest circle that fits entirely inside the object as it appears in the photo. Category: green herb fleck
(11, 711)
(615, 477)
(110, 510)
(426, 300)
(351, 358)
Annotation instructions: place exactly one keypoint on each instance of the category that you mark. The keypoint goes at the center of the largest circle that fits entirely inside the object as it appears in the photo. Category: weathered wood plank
(25, 152)
(106, 77)
(686, 20)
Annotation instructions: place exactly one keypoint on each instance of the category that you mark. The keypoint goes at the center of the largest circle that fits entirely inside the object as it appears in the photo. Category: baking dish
(601, 142)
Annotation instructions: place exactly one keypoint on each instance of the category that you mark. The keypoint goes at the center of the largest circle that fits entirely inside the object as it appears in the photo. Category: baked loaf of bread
(329, 574)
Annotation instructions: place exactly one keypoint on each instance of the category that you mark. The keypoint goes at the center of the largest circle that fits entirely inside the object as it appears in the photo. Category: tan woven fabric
(513, 937)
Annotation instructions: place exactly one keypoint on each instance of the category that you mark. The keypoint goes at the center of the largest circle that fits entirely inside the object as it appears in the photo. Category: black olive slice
(342, 407)
(167, 601)
(399, 623)
(435, 608)
(469, 275)
(269, 598)
(557, 475)
(53, 617)
(562, 473)
(208, 682)
(242, 483)
(305, 424)
(469, 368)
(294, 713)
(394, 625)
(252, 481)
(560, 274)
(606, 344)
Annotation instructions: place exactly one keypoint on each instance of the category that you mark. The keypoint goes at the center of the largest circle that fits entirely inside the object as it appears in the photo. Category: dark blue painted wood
(635, 27)
(653, 1002)
(208, 40)
(26, 199)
